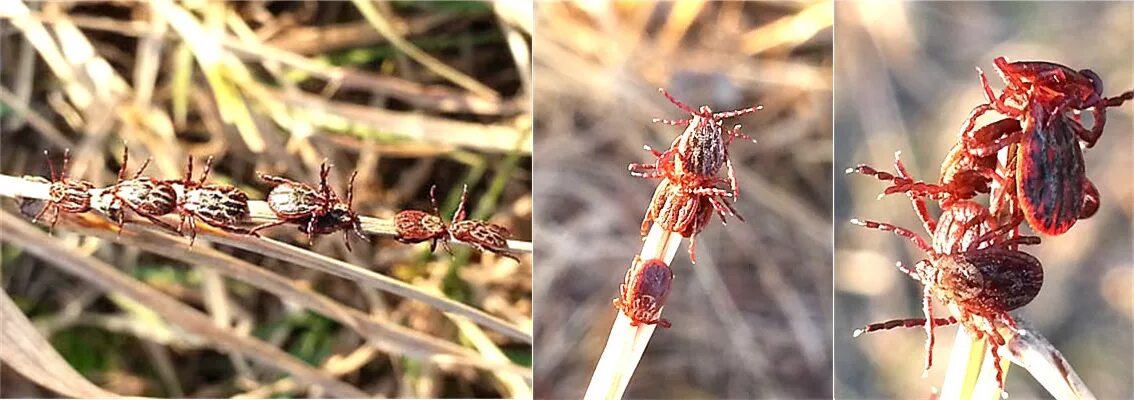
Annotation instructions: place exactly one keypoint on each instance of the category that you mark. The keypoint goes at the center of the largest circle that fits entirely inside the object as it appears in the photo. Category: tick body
(643, 293)
(482, 235)
(701, 151)
(145, 196)
(66, 195)
(220, 206)
(316, 211)
(416, 226)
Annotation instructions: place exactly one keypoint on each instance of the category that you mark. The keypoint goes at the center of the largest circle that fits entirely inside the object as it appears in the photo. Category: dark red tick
(643, 292)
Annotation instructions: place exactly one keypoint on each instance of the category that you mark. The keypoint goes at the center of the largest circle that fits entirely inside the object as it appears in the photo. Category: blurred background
(906, 81)
(751, 319)
(410, 94)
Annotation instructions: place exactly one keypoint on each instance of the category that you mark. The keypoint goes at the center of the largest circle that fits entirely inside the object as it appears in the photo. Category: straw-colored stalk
(626, 343)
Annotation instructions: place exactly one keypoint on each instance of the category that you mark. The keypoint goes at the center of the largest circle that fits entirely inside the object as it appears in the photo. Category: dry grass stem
(26, 350)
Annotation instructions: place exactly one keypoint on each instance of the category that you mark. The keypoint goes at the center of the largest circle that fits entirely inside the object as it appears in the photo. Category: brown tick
(971, 268)
(66, 195)
(482, 235)
(220, 206)
(643, 292)
(416, 226)
(701, 150)
(685, 203)
(145, 196)
(315, 211)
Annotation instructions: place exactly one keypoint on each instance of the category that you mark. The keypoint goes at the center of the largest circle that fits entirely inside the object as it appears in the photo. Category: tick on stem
(314, 210)
(66, 195)
(416, 226)
(220, 206)
(643, 292)
(969, 266)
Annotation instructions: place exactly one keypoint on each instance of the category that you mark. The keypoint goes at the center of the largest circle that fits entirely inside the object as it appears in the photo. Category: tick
(644, 290)
(145, 196)
(220, 206)
(65, 195)
(971, 267)
(701, 151)
(482, 235)
(316, 211)
(416, 226)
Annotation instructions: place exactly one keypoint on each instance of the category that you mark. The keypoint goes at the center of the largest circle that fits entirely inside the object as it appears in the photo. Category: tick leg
(346, 240)
(676, 102)
(662, 322)
(311, 229)
(735, 133)
(903, 232)
(673, 122)
(279, 180)
(993, 100)
(731, 177)
(54, 219)
(737, 113)
(927, 308)
(902, 323)
(192, 230)
(918, 202)
(46, 205)
(1021, 241)
(269, 225)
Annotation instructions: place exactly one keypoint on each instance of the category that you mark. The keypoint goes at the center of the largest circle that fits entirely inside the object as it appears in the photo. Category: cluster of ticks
(314, 211)
(1030, 163)
(689, 193)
